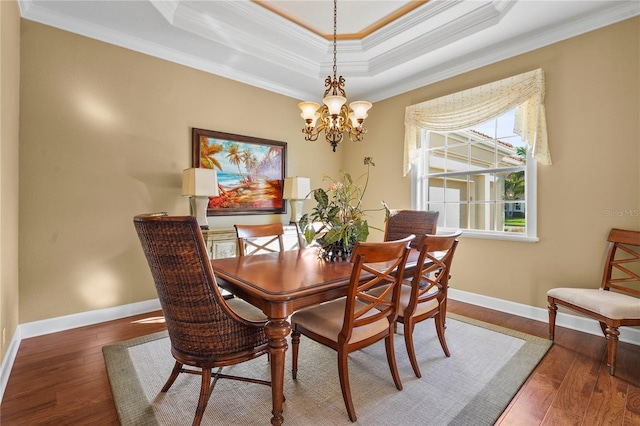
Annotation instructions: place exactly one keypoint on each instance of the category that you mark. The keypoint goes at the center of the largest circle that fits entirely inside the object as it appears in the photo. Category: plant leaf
(321, 197)
(309, 234)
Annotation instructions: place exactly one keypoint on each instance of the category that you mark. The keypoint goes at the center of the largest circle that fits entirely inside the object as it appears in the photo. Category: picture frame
(250, 171)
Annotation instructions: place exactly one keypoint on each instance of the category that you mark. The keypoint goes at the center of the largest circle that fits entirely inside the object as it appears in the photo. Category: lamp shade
(309, 110)
(334, 103)
(296, 188)
(198, 182)
(360, 108)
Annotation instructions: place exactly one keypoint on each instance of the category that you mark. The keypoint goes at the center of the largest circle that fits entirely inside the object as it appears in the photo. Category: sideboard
(222, 242)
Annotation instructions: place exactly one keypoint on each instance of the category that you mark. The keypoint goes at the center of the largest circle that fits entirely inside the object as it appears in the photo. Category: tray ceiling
(385, 47)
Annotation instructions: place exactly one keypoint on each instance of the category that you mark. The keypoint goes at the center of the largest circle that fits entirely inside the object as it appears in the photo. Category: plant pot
(334, 253)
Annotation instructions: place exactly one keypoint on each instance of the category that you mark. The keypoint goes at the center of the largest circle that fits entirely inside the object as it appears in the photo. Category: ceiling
(385, 47)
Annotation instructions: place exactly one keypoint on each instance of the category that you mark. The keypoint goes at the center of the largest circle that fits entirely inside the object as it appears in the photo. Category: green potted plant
(337, 222)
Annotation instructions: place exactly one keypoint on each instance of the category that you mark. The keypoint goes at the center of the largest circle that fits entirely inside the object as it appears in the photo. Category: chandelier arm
(311, 133)
(357, 134)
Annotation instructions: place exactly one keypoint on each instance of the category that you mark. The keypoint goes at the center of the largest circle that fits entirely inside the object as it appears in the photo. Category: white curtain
(461, 110)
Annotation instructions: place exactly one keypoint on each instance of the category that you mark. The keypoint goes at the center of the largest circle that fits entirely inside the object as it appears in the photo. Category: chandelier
(334, 117)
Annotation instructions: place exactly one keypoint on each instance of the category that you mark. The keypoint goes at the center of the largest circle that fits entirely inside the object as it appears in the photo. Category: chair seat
(405, 295)
(326, 320)
(606, 303)
(246, 310)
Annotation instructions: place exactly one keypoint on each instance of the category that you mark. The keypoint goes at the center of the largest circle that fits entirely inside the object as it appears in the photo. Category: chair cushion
(326, 320)
(606, 303)
(405, 295)
(246, 310)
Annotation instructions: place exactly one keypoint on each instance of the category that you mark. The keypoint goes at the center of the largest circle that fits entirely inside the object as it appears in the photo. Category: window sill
(466, 233)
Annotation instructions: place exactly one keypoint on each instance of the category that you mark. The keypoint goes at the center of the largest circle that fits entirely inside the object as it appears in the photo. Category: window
(473, 156)
(480, 179)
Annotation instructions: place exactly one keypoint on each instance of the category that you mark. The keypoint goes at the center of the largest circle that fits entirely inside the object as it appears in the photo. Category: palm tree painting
(250, 172)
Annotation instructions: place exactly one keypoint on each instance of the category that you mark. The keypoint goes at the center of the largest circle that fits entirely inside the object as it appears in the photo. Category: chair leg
(408, 342)
(603, 327)
(295, 344)
(177, 368)
(443, 311)
(343, 373)
(553, 309)
(391, 359)
(439, 322)
(612, 334)
(205, 385)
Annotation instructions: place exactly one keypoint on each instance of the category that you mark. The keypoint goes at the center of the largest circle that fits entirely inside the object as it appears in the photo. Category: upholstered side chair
(616, 303)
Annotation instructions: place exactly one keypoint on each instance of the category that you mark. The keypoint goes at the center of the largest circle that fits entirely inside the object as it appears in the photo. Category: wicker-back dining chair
(401, 223)
(205, 332)
(359, 319)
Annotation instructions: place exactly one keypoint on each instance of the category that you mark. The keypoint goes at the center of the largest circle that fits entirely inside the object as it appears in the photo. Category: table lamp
(296, 189)
(200, 184)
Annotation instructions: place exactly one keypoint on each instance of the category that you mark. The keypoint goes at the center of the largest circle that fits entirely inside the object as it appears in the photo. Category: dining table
(280, 284)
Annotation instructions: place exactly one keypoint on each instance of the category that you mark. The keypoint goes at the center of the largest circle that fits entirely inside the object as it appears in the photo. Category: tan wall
(9, 125)
(593, 114)
(105, 133)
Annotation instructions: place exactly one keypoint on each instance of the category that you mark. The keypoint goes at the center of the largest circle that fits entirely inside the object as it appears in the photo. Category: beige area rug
(488, 365)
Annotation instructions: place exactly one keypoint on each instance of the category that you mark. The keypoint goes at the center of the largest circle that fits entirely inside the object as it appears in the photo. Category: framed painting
(250, 172)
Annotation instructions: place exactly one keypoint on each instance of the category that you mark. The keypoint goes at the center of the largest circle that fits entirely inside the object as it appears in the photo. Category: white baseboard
(52, 325)
(574, 322)
(67, 322)
(7, 362)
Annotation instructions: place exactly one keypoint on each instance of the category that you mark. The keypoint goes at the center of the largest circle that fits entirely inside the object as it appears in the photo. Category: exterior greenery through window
(481, 179)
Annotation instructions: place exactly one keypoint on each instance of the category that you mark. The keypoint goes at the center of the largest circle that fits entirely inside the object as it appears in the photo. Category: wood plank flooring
(61, 379)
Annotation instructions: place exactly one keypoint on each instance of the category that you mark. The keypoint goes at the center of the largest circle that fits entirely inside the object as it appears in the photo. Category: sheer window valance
(461, 110)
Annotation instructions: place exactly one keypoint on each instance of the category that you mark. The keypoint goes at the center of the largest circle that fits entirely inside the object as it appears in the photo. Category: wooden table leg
(277, 331)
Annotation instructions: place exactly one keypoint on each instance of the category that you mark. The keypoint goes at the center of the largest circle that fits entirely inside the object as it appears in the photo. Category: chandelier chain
(335, 37)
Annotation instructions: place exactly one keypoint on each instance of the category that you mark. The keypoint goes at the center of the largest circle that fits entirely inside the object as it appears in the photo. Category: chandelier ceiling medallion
(334, 117)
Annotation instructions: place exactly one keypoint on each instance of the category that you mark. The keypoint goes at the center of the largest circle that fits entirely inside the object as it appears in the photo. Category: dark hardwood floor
(61, 379)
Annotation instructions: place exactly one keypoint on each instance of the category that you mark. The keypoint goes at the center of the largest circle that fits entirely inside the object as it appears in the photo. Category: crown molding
(510, 48)
(425, 46)
(481, 17)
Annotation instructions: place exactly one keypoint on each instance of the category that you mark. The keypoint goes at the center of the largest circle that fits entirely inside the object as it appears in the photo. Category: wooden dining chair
(400, 223)
(359, 319)
(257, 239)
(616, 302)
(424, 295)
(206, 332)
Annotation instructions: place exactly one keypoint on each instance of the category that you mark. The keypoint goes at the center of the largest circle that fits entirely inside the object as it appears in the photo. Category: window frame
(530, 201)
